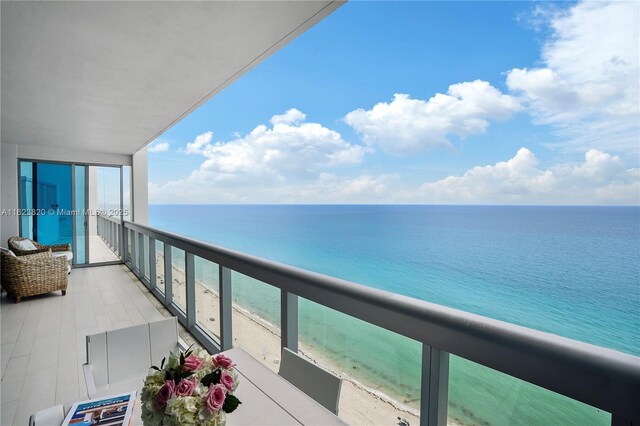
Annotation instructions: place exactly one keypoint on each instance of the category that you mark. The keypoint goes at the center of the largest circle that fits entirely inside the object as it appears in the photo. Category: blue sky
(507, 103)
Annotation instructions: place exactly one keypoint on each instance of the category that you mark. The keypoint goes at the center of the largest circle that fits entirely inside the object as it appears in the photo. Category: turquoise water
(572, 271)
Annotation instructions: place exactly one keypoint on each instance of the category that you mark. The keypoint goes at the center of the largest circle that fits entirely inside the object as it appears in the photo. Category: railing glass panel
(146, 257)
(178, 279)
(482, 396)
(386, 365)
(160, 266)
(256, 319)
(130, 247)
(207, 297)
(374, 364)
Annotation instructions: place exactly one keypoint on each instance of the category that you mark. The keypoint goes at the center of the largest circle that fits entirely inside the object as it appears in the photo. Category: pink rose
(185, 387)
(214, 399)
(192, 363)
(164, 394)
(227, 380)
(223, 361)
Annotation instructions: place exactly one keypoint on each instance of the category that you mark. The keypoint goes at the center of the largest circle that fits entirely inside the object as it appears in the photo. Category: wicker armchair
(40, 248)
(33, 274)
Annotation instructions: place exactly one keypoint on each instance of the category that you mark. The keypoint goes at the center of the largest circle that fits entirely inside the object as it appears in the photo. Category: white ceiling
(112, 76)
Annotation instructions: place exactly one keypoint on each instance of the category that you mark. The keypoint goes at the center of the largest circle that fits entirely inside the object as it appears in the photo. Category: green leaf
(230, 403)
(211, 378)
(189, 351)
(162, 363)
(153, 367)
(181, 358)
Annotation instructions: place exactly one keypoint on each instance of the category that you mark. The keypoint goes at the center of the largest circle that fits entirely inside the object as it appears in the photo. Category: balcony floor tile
(43, 337)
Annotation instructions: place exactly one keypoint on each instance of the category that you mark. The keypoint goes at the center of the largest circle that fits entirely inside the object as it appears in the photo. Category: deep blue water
(572, 271)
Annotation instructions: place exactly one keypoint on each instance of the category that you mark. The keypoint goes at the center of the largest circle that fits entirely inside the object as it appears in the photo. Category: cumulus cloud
(200, 142)
(292, 116)
(290, 150)
(158, 147)
(601, 179)
(588, 87)
(408, 126)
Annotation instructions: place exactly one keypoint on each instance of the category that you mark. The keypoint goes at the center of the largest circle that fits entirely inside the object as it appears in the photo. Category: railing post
(190, 278)
(125, 244)
(134, 257)
(289, 320)
(116, 237)
(168, 276)
(434, 386)
(121, 241)
(141, 254)
(226, 309)
(152, 263)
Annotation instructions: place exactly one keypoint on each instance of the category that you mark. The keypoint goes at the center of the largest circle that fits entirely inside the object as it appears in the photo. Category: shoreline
(359, 403)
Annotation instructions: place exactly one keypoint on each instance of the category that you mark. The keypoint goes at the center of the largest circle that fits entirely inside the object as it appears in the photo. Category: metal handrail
(114, 219)
(601, 377)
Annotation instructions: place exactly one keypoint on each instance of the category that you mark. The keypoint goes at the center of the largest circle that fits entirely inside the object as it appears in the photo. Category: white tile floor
(43, 337)
(99, 251)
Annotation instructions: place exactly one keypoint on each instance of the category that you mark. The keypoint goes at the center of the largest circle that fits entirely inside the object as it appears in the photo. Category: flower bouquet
(190, 390)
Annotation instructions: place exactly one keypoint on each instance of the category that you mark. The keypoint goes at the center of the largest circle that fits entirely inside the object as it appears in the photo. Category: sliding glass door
(53, 203)
(105, 198)
(75, 204)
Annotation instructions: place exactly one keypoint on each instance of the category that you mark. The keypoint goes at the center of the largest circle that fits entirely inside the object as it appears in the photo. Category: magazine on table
(108, 411)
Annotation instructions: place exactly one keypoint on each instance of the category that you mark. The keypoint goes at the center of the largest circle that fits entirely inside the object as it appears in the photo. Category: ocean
(572, 271)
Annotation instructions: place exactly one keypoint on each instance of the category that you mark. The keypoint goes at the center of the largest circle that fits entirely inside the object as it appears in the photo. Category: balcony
(106, 121)
(43, 340)
(602, 378)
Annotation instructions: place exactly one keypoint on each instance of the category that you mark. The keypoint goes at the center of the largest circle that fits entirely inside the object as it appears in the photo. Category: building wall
(9, 192)
(140, 187)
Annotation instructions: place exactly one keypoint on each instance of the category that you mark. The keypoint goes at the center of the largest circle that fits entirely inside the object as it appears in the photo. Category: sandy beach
(359, 405)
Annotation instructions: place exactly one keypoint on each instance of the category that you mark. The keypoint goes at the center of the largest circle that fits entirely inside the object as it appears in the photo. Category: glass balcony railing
(402, 360)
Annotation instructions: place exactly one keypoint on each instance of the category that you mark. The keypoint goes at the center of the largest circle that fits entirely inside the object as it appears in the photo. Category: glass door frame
(73, 205)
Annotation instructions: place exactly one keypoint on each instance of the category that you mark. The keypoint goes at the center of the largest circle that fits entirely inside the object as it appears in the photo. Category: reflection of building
(44, 198)
(47, 193)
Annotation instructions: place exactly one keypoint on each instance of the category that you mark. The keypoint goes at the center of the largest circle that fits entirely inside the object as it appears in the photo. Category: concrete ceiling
(112, 76)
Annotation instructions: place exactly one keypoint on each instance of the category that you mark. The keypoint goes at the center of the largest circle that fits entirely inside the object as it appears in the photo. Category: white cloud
(408, 126)
(331, 188)
(159, 147)
(200, 142)
(291, 116)
(600, 179)
(267, 157)
(588, 87)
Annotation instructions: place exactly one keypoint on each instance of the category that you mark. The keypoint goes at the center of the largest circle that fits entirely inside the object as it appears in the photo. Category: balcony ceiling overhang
(112, 76)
